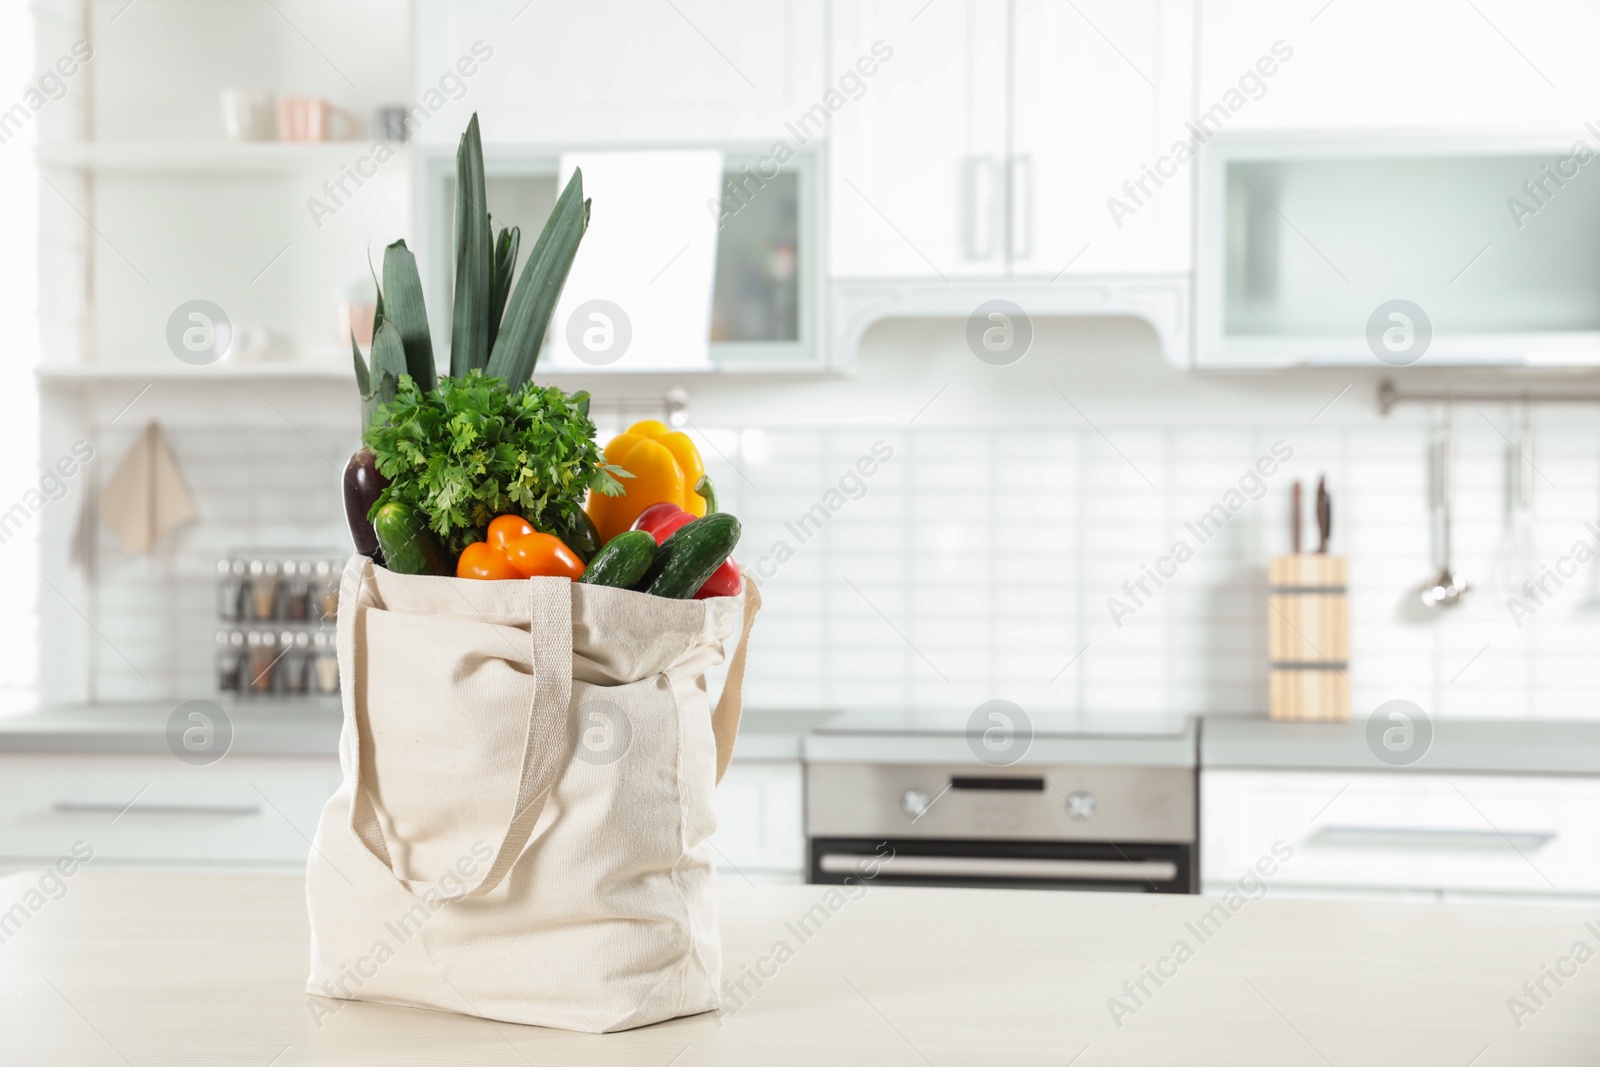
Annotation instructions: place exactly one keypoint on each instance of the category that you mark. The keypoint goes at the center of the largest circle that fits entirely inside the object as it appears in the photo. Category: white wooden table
(192, 969)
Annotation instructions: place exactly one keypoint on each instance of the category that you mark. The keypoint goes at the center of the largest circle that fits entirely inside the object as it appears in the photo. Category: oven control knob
(1081, 805)
(914, 802)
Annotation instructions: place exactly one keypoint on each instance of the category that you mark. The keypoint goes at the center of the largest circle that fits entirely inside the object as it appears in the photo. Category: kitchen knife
(1294, 518)
(1324, 516)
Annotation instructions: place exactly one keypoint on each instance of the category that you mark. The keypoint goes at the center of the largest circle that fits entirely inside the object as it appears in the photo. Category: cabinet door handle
(1407, 838)
(83, 807)
(981, 215)
(1021, 207)
(1001, 867)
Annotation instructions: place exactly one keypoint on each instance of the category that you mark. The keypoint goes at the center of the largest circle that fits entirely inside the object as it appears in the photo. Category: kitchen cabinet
(916, 163)
(1404, 833)
(989, 143)
(768, 275)
(1307, 241)
(1372, 64)
(150, 810)
(618, 71)
(1101, 93)
(760, 833)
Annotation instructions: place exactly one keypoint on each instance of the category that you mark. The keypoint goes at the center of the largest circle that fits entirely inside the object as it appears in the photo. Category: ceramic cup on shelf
(311, 118)
(249, 115)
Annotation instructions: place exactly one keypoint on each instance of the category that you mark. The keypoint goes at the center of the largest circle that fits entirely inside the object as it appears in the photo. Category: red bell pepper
(662, 520)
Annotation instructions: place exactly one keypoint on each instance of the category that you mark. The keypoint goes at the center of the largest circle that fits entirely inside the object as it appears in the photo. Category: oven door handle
(999, 867)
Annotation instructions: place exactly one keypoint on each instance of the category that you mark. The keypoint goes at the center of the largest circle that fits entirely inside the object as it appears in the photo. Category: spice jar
(262, 647)
(283, 672)
(294, 647)
(230, 589)
(297, 580)
(230, 660)
(328, 575)
(264, 588)
(326, 658)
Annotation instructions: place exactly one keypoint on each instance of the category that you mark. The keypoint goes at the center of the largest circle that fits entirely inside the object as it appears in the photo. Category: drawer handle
(1440, 840)
(1001, 867)
(75, 807)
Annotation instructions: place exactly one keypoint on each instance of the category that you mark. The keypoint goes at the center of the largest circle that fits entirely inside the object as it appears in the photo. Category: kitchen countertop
(188, 968)
(957, 736)
(1459, 746)
(311, 728)
(299, 728)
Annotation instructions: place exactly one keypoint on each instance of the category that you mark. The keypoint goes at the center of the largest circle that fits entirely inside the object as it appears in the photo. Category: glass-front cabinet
(1399, 250)
(761, 272)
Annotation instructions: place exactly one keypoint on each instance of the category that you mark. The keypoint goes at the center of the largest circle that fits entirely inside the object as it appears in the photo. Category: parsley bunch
(472, 449)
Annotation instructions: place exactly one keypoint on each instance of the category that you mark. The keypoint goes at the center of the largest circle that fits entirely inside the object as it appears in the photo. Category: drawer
(1405, 832)
(154, 810)
(759, 819)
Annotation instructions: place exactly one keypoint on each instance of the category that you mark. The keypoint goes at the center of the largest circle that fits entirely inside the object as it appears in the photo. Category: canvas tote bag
(529, 773)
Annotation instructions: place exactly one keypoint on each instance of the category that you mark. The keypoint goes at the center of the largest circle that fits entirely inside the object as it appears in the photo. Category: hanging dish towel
(529, 786)
(146, 499)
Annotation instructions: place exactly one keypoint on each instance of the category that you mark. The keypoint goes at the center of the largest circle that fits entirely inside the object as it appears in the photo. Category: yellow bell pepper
(665, 466)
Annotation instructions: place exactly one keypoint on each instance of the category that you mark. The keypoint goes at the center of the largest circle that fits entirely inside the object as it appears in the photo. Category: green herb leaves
(473, 449)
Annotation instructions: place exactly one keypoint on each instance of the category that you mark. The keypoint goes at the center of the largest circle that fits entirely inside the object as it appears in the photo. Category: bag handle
(544, 751)
(725, 720)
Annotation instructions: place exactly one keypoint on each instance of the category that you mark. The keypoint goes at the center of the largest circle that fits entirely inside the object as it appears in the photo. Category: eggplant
(577, 531)
(362, 484)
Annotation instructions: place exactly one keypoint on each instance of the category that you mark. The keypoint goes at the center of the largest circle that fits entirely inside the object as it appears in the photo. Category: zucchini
(623, 561)
(691, 555)
(409, 547)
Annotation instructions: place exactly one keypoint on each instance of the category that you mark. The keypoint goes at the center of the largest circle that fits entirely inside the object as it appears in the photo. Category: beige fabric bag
(529, 773)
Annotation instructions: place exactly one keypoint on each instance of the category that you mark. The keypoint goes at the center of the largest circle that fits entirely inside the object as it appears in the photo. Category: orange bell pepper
(486, 563)
(506, 529)
(665, 466)
(543, 554)
(514, 550)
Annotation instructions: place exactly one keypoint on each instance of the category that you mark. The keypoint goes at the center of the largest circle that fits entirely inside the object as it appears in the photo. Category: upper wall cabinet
(1100, 94)
(622, 71)
(1417, 64)
(1377, 249)
(1011, 138)
(916, 178)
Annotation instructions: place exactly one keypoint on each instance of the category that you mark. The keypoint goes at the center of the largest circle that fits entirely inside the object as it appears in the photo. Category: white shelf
(234, 373)
(215, 157)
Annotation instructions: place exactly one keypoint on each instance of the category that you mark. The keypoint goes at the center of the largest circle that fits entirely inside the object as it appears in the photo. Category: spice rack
(279, 609)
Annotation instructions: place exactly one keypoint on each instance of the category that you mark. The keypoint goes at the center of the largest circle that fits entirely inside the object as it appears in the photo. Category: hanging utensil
(1515, 552)
(1525, 551)
(1294, 518)
(1324, 516)
(1444, 589)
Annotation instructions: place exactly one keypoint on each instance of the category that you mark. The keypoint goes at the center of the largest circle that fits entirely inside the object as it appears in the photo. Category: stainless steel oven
(1085, 806)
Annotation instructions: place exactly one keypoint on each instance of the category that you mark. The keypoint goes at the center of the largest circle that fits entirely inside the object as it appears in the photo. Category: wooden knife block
(1308, 638)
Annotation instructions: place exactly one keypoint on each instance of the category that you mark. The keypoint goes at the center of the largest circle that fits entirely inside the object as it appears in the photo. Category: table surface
(139, 969)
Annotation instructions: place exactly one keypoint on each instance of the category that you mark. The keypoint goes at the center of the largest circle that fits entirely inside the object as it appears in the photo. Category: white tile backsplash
(977, 563)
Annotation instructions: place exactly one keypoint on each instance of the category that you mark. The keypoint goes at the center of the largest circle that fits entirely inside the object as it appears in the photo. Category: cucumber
(690, 556)
(623, 561)
(409, 547)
